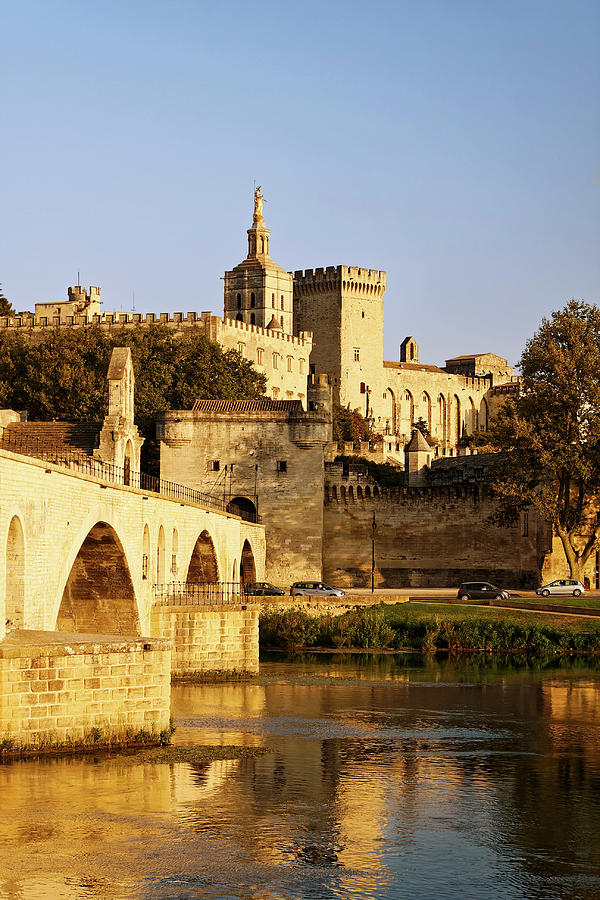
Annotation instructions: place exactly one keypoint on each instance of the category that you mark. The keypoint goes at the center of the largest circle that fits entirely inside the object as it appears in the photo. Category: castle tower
(258, 291)
(343, 307)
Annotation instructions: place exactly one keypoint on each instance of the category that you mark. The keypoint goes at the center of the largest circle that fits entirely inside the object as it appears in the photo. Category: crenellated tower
(343, 307)
(258, 291)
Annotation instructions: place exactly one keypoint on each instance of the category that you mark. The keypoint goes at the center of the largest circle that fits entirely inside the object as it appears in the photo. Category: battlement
(304, 339)
(349, 277)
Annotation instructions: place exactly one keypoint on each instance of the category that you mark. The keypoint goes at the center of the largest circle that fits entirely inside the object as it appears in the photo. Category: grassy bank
(428, 627)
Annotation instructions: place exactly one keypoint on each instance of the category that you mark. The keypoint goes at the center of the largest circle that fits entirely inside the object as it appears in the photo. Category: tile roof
(265, 405)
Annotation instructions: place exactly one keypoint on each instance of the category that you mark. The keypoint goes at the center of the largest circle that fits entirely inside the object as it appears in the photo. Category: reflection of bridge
(81, 551)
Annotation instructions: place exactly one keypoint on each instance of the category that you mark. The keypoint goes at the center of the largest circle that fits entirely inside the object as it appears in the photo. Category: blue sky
(454, 143)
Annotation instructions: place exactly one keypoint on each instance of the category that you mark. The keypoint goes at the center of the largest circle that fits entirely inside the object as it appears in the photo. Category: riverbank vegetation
(429, 628)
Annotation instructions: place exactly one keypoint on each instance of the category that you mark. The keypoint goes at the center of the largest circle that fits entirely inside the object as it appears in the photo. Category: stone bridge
(80, 554)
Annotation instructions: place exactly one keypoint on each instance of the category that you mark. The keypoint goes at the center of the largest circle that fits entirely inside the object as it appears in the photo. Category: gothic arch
(390, 409)
(203, 567)
(483, 415)
(98, 597)
(15, 574)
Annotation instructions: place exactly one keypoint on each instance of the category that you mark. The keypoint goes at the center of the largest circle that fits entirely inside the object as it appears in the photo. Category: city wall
(425, 538)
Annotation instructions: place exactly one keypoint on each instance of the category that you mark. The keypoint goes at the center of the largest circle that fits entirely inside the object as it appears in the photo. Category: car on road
(561, 586)
(315, 589)
(481, 590)
(263, 589)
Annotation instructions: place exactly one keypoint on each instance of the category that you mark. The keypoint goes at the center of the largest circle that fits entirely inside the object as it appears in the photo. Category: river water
(384, 777)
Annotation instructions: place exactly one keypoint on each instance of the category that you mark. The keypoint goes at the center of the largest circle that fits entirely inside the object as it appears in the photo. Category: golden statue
(258, 205)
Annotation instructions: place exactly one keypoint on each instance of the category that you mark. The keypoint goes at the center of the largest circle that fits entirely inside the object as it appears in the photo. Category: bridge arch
(247, 564)
(15, 574)
(98, 596)
(203, 567)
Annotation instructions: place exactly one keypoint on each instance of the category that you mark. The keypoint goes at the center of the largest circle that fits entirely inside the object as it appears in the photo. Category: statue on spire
(258, 206)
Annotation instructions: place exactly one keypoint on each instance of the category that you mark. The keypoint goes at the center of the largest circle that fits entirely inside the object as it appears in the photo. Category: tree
(349, 425)
(63, 376)
(6, 307)
(551, 433)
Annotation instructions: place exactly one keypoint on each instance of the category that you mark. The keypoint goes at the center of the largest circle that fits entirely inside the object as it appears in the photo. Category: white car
(562, 586)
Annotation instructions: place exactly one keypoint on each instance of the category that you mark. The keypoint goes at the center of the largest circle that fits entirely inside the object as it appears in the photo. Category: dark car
(315, 589)
(481, 590)
(263, 589)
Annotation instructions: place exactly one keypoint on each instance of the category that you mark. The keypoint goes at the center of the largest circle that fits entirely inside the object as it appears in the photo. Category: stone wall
(219, 638)
(427, 538)
(57, 689)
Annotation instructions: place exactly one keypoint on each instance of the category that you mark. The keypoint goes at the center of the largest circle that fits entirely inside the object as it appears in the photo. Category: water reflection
(387, 777)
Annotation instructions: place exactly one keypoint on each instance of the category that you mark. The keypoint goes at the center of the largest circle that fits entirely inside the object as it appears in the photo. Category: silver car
(562, 586)
(315, 589)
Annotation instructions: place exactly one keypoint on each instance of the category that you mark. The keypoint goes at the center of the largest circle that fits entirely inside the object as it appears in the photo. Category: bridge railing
(181, 593)
(77, 461)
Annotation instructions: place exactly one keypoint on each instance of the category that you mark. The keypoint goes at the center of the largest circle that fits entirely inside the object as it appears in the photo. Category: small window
(356, 354)
(239, 317)
(275, 393)
(239, 301)
(252, 319)
(259, 356)
(273, 300)
(281, 320)
(301, 366)
(290, 363)
(241, 348)
(282, 465)
(363, 314)
(215, 465)
(252, 300)
(145, 566)
(282, 301)
(275, 360)
(174, 564)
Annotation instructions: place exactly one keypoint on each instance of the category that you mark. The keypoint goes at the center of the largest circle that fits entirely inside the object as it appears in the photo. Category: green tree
(551, 433)
(349, 425)
(6, 307)
(63, 376)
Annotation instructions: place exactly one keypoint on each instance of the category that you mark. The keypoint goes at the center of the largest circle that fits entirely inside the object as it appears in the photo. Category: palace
(319, 321)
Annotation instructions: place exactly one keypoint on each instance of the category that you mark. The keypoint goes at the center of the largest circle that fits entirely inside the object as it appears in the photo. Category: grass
(429, 627)
(430, 610)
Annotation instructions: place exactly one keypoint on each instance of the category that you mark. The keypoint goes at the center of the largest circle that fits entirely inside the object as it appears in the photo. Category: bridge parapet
(77, 461)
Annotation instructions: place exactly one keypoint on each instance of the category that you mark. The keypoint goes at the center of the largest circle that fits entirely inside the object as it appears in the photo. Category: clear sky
(454, 143)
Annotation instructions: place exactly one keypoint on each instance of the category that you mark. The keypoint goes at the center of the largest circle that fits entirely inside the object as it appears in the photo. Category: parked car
(315, 589)
(481, 590)
(562, 586)
(263, 589)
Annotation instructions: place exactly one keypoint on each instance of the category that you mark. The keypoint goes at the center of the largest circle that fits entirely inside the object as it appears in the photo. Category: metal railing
(181, 593)
(77, 461)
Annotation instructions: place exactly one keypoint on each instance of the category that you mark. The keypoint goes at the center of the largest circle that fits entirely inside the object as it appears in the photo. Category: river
(385, 776)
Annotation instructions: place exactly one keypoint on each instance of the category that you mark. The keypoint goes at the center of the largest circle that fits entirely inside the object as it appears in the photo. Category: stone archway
(15, 574)
(243, 507)
(203, 567)
(98, 597)
(247, 565)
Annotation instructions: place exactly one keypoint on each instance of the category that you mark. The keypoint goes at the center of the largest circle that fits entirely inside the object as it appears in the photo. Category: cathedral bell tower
(258, 291)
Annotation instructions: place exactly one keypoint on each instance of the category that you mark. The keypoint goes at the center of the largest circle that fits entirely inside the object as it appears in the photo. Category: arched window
(334, 492)
(239, 318)
(252, 319)
(252, 300)
(239, 301)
